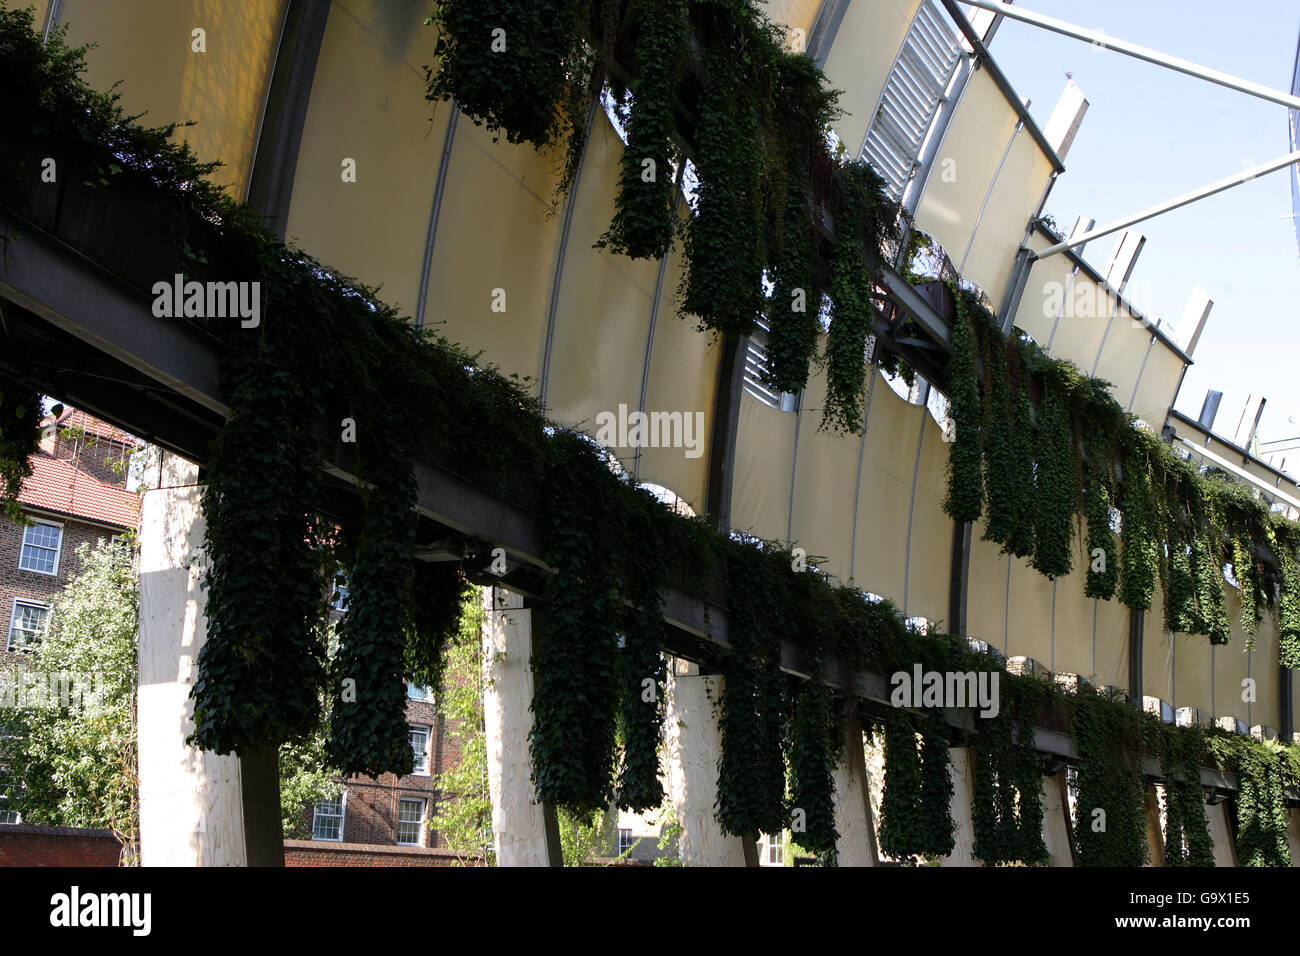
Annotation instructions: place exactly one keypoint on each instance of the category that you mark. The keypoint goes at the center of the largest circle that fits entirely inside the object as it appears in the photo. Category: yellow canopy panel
(153, 49)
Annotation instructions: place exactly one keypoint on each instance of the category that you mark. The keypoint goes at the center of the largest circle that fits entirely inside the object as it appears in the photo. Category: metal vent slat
(911, 98)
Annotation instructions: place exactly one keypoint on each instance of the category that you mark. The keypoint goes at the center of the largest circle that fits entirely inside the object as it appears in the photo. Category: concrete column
(191, 801)
(853, 818)
(694, 745)
(1225, 853)
(1154, 827)
(963, 825)
(523, 832)
(1056, 821)
(1293, 835)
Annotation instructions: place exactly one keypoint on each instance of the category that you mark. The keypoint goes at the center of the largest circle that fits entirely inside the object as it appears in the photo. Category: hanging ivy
(724, 240)
(509, 64)
(644, 209)
(1006, 796)
(812, 765)
(1288, 616)
(1260, 804)
(1187, 834)
(751, 770)
(1056, 480)
(802, 107)
(916, 817)
(20, 437)
(1103, 552)
(965, 480)
(1023, 498)
(576, 691)
(1001, 447)
(1139, 554)
(438, 595)
(1110, 819)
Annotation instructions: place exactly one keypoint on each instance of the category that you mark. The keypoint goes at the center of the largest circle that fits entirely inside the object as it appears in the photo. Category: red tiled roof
(58, 486)
(76, 418)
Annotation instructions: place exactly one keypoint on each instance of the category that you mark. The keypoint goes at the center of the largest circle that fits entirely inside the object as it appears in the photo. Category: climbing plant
(915, 811)
(1006, 804)
(965, 460)
(1187, 835)
(1260, 804)
(1056, 477)
(1110, 817)
(20, 416)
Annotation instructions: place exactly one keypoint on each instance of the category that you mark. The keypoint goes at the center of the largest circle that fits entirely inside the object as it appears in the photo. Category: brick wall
(309, 853)
(31, 586)
(96, 456)
(28, 845)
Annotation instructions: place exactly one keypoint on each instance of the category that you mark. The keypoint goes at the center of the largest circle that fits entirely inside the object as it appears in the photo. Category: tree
(72, 715)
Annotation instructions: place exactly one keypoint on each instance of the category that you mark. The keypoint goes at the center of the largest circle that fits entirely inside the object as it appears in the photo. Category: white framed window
(27, 624)
(416, 692)
(419, 737)
(410, 822)
(776, 849)
(41, 543)
(625, 841)
(6, 791)
(327, 821)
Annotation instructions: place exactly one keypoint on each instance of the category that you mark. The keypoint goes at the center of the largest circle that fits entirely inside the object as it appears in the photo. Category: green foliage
(1103, 568)
(812, 765)
(1187, 834)
(644, 216)
(724, 240)
(751, 770)
(1288, 616)
(78, 763)
(916, 818)
(1262, 768)
(463, 816)
(20, 436)
(1108, 734)
(1056, 479)
(519, 89)
(1006, 804)
(965, 459)
(1139, 555)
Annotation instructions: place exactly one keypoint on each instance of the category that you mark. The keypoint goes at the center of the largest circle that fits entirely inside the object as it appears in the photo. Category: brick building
(389, 810)
(76, 495)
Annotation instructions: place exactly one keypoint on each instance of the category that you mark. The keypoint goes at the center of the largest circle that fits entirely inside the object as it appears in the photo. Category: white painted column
(518, 818)
(853, 818)
(191, 805)
(961, 807)
(694, 744)
(1056, 821)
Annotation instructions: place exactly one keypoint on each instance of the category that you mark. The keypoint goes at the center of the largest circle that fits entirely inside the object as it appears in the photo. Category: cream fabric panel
(1014, 200)
(1263, 667)
(684, 375)
(885, 492)
(603, 307)
(986, 591)
(1083, 324)
(795, 14)
(1121, 357)
(1112, 643)
(1030, 617)
(39, 10)
(932, 530)
(367, 104)
(826, 474)
(1192, 670)
(760, 492)
(1044, 297)
(860, 59)
(147, 45)
(1072, 624)
(1158, 385)
(494, 233)
(1231, 667)
(972, 147)
(1158, 659)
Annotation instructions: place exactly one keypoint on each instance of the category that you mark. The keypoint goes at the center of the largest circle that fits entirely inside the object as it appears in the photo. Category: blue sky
(1151, 134)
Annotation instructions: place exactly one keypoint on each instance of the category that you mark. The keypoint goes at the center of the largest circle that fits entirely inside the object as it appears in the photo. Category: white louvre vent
(912, 96)
(756, 367)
